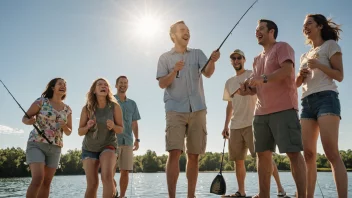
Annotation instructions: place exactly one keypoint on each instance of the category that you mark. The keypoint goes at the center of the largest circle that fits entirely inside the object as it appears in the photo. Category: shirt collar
(174, 51)
(118, 98)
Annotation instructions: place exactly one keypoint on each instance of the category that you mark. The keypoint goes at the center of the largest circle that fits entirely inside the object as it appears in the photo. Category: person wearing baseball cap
(239, 111)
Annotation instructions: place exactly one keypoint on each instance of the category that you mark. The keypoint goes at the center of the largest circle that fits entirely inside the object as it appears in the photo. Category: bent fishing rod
(229, 34)
(35, 126)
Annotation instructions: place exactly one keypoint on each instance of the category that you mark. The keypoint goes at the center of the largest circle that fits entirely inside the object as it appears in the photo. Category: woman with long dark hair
(101, 120)
(54, 118)
(320, 67)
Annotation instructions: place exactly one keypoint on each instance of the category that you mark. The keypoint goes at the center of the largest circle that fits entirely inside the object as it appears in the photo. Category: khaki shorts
(189, 127)
(125, 157)
(239, 142)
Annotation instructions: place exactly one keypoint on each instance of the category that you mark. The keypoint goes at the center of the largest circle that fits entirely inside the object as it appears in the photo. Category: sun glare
(147, 26)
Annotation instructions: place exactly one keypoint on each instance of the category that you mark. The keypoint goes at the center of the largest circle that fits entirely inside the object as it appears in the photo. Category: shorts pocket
(167, 131)
(204, 139)
(204, 142)
(295, 134)
(205, 135)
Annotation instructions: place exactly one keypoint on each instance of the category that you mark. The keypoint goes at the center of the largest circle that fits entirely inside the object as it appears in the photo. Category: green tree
(12, 163)
(150, 162)
(322, 161)
(71, 163)
(210, 162)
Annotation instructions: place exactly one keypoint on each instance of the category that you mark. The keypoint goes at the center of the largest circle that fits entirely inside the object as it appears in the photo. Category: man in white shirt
(239, 111)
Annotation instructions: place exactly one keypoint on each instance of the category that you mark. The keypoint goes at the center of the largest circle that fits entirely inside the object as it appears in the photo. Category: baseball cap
(237, 51)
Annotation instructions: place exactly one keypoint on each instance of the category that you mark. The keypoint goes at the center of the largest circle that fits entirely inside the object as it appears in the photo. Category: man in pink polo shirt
(276, 121)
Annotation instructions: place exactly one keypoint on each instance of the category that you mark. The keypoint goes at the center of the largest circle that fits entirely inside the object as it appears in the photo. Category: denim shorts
(95, 155)
(39, 152)
(320, 104)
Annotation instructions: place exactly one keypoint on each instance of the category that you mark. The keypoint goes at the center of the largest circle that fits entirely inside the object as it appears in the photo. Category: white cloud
(9, 130)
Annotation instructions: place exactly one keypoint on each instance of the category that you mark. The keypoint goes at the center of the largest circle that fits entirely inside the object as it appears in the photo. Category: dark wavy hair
(330, 30)
(49, 92)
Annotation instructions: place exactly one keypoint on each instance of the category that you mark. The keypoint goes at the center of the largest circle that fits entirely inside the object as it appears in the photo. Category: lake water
(154, 185)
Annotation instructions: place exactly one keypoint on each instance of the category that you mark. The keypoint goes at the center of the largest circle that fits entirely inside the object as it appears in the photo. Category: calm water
(154, 185)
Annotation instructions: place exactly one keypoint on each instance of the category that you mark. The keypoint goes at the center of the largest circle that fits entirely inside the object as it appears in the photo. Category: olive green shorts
(281, 128)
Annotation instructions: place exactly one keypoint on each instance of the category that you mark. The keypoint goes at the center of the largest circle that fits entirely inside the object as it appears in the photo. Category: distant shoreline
(319, 170)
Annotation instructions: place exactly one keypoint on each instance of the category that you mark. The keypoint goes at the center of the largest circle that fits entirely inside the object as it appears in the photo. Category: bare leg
(240, 175)
(298, 169)
(123, 182)
(91, 167)
(172, 171)
(310, 135)
(329, 132)
(48, 177)
(277, 178)
(37, 171)
(192, 173)
(264, 173)
(107, 163)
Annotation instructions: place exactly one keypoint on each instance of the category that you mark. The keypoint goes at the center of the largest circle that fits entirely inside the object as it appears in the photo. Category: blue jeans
(320, 104)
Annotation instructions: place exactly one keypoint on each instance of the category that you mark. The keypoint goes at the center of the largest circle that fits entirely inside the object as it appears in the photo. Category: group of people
(262, 106)
(262, 113)
(107, 122)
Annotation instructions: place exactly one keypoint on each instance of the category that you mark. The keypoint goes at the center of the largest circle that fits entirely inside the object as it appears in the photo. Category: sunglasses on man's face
(238, 58)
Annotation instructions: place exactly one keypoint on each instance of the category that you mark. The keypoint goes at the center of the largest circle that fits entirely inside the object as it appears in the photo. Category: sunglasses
(238, 58)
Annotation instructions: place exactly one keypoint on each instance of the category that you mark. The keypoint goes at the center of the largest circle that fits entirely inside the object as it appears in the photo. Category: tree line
(12, 162)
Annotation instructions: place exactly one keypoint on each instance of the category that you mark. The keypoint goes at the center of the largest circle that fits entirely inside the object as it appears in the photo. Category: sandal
(237, 194)
(281, 194)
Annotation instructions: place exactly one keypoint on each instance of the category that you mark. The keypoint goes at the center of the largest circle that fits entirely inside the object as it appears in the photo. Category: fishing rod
(35, 126)
(132, 179)
(229, 33)
(320, 189)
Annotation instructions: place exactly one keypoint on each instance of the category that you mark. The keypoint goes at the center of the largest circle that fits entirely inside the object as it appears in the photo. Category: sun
(147, 26)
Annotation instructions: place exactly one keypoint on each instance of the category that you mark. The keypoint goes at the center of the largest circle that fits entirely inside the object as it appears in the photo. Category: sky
(85, 39)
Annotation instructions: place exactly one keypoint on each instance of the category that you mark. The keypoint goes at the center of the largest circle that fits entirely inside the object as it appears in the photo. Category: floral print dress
(48, 122)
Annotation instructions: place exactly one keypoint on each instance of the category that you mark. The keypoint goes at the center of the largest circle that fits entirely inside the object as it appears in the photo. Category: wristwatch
(265, 78)
(138, 140)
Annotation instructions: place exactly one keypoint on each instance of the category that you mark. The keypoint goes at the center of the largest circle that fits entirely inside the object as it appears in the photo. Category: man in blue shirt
(125, 142)
(180, 73)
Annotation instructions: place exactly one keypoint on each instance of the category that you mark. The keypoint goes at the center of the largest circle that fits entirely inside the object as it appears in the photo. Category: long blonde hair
(92, 101)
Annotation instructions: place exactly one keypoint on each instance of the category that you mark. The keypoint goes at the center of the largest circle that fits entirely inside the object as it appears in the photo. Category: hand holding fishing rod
(178, 66)
(31, 120)
(228, 35)
(218, 185)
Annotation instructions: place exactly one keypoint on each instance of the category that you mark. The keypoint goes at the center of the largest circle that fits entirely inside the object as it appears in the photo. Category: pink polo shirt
(275, 96)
